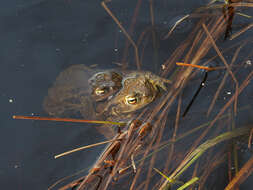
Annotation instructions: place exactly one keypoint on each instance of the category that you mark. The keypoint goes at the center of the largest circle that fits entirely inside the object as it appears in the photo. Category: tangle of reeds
(160, 151)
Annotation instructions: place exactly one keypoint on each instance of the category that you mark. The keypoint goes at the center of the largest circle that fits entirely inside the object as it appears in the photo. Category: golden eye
(100, 91)
(131, 100)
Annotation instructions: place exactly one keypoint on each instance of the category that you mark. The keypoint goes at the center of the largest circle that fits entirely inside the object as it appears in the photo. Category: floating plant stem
(196, 66)
(193, 156)
(67, 120)
(225, 63)
(175, 25)
(103, 3)
(250, 139)
(166, 177)
(241, 31)
(242, 175)
(188, 183)
(244, 15)
(82, 148)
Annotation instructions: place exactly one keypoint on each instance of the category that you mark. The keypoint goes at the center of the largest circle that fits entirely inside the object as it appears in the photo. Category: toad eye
(131, 100)
(101, 91)
(100, 76)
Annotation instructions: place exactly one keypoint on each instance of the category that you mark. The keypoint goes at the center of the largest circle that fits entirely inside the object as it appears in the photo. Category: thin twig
(196, 66)
(175, 25)
(241, 31)
(66, 120)
(131, 29)
(243, 174)
(152, 162)
(225, 63)
(124, 31)
(82, 148)
(224, 80)
(250, 139)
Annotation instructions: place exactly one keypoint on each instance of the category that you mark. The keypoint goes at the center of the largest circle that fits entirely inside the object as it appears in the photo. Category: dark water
(40, 38)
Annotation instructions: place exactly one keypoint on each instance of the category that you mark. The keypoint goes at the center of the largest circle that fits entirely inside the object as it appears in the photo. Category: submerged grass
(196, 153)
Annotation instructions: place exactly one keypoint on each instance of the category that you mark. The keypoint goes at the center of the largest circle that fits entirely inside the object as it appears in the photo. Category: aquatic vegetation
(153, 133)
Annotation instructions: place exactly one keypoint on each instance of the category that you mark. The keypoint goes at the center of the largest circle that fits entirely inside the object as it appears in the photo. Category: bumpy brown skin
(68, 95)
(139, 89)
(75, 90)
(105, 84)
(91, 92)
(101, 95)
